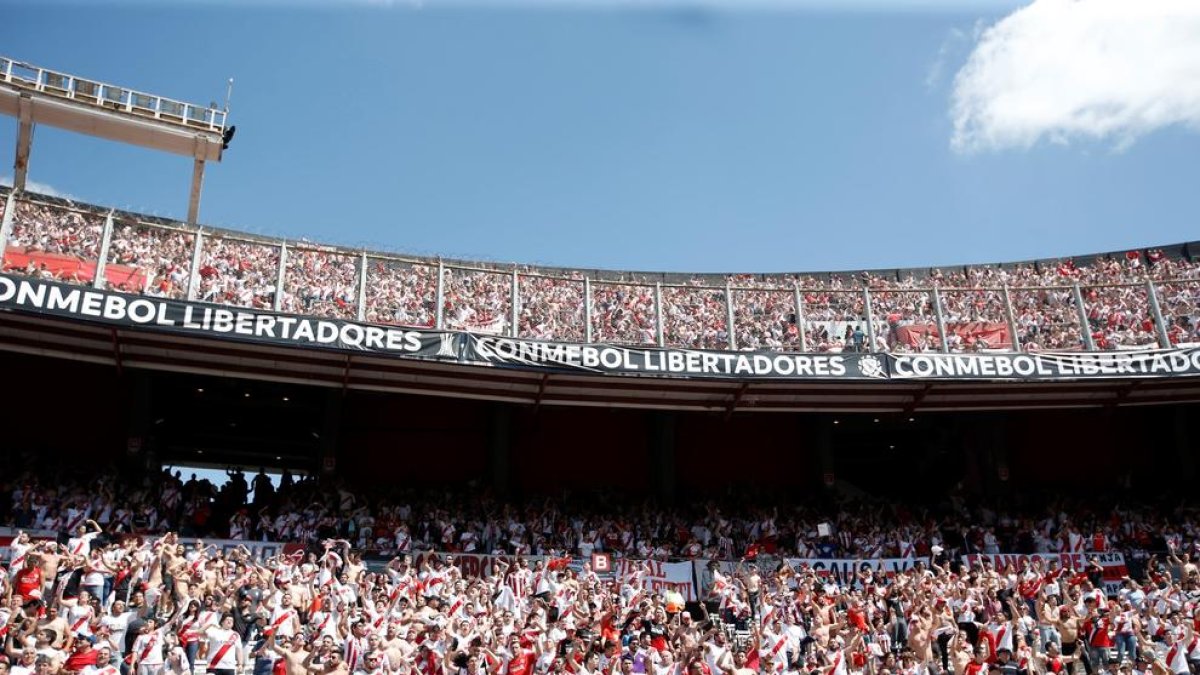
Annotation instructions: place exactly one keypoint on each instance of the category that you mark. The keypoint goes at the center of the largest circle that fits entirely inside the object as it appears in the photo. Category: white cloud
(40, 188)
(1066, 70)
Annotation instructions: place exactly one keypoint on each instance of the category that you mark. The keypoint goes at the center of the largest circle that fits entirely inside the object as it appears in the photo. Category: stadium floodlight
(36, 95)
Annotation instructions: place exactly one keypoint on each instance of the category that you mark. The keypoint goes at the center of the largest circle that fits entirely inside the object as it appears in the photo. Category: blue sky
(718, 136)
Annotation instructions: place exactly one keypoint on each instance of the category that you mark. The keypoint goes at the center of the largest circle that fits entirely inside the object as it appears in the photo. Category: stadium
(467, 467)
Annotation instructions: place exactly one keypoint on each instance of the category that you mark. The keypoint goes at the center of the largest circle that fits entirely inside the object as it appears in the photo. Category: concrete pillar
(662, 454)
(499, 440)
(331, 422)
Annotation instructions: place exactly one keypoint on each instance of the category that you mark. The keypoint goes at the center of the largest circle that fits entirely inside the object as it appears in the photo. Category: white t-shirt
(147, 648)
(218, 638)
(117, 625)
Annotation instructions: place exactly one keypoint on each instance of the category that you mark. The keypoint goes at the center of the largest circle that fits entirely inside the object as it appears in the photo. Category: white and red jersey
(774, 651)
(837, 664)
(148, 648)
(521, 582)
(224, 648)
(403, 540)
(282, 619)
(1177, 658)
(1002, 637)
(19, 553)
(79, 619)
(101, 670)
(355, 651)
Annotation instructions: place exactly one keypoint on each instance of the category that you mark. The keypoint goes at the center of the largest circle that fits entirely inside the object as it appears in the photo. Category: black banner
(51, 298)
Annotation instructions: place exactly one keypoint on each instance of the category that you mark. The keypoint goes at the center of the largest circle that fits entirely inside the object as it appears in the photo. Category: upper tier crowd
(54, 241)
(119, 591)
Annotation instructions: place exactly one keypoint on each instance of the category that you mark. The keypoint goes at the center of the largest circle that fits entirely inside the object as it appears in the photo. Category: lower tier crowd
(119, 592)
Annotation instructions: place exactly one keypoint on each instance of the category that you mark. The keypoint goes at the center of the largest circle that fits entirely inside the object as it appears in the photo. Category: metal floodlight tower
(36, 95)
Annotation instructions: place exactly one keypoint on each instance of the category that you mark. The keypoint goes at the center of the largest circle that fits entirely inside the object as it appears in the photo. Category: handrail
(72, 87)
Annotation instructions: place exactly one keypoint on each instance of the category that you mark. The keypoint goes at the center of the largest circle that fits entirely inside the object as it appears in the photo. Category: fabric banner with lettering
(1113, 563)
(841, 571)
(120, 310)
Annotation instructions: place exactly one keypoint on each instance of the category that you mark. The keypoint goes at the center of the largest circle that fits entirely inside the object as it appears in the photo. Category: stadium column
(729, 316)
(197, 185)
(870, 319)
(6, 225)
(587, 309)
(823, 439)
(331, 424)
(24, 141)
(1181, 438)
(361, 311)
(799, 302)
(1084, 328)
(658, 314)
(1013, 338)
(102, 259)
(278, 302)
(140, 448)
(440, 317)
(193, 289)
(941, 319)
(516, 303)
(499, 440)
(662, 454)
(1160, 326)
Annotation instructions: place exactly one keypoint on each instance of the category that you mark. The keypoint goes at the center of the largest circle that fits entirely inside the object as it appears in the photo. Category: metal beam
(24, 141)
(941, 319)
(102, 262)
(1160, 324)
(799, 301)
(1084, 328)
(658, 315)
(193, 289)
(280, 277)
(10, 207)
(194, 195)
(729, 316)
(361, 311)
(1014, 339)
(439, 317)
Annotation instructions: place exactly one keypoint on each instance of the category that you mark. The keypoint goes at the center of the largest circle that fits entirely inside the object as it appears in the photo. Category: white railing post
(1084, 328)
(1160, 324)
(516, 304)
(658, 314)
(193, 289)
(362, 287)
(870, 320)
(279, 280)
(1012, 322)
(941, 320)
(10, 207)
(587, 309)
(729, 316)
(799, 302)
(102, 259)
(439, 317)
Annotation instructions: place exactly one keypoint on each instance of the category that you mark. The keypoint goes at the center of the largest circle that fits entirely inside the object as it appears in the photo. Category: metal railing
(111, 97)
(241, 270)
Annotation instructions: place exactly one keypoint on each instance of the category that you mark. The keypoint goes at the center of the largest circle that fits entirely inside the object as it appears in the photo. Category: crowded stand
(320, 283)
(551, 307)
(127, 586)
(1103, 303)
